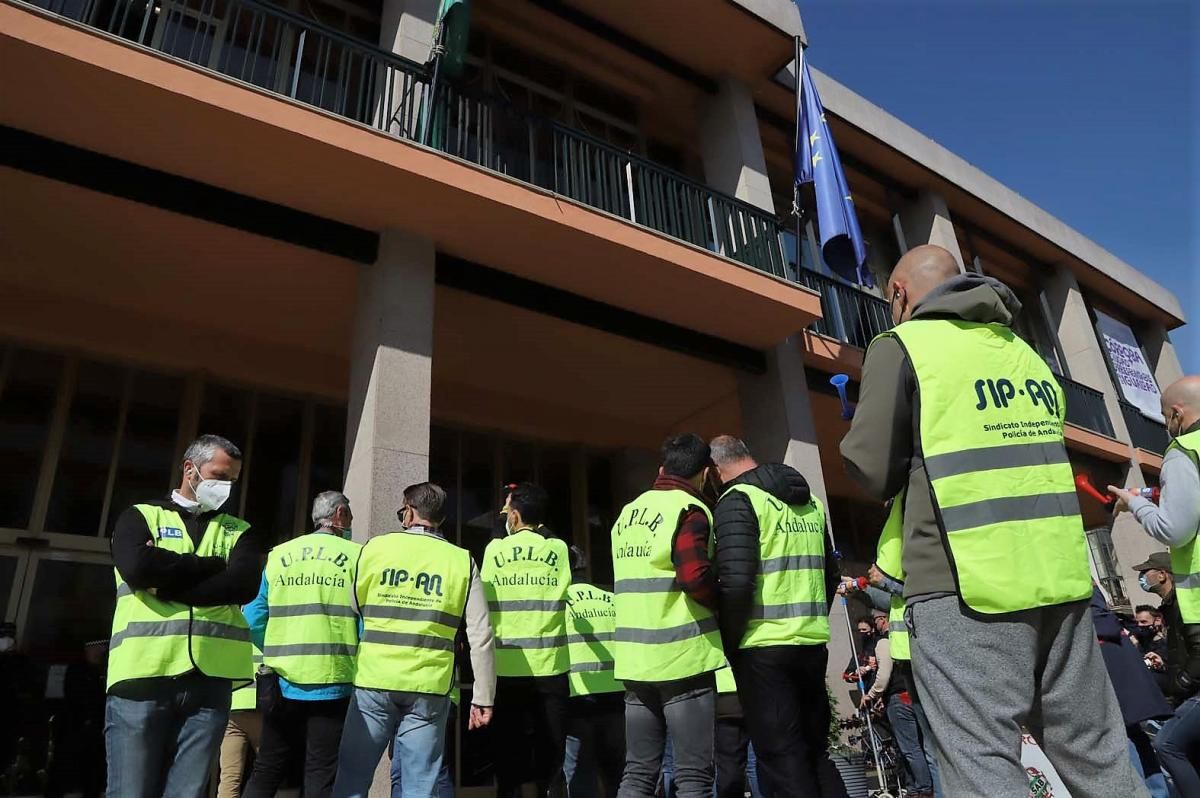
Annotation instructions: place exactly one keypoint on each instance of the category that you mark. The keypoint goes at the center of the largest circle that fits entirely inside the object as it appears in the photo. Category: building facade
(255, 219)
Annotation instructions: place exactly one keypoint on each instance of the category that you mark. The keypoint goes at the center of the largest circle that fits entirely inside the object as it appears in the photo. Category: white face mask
(7, 644)
(211, 493)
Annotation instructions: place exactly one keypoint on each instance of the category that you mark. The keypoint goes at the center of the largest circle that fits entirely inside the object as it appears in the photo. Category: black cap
(1158, 561)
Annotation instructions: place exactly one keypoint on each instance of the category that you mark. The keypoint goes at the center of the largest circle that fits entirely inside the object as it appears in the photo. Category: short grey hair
(326, 504)
(205, 448)
(728, 449)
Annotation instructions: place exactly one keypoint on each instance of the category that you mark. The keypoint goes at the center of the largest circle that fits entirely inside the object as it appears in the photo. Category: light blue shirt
(257, 612)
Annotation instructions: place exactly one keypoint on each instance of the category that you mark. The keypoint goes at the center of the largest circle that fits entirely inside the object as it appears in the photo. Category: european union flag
(817, 162)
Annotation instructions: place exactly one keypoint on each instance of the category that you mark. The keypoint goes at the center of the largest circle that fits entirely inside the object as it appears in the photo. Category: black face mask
(1144, 633)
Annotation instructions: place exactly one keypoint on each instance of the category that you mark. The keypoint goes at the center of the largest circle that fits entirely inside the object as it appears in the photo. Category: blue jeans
(166, 743)
(1178, 736)
(374, 717)
(1142, 757)
(445, 782)
(903, 719)
(580, 775)
(927, 745)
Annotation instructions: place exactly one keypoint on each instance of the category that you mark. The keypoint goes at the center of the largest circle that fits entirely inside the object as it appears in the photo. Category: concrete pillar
(387, 430)
(777, 425)
(731, 146)
(1164, 361)
(1085, 361)
(406, 28)
(777, 420)
(926, 220)
(1077, 338)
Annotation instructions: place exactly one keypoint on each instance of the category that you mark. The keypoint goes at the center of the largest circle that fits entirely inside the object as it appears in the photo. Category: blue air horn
(839, 381)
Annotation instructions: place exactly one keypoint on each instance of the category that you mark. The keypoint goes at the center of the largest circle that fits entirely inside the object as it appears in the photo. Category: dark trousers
(782, 689)
(288, 727)
(530, 732)
(598, 722)
(730, 744)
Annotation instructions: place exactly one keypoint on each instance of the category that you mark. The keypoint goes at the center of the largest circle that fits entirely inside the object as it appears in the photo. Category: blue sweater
(256, 613)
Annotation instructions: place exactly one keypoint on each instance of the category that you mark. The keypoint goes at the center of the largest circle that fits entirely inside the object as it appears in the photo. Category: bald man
(965, 419)
(1175, 521)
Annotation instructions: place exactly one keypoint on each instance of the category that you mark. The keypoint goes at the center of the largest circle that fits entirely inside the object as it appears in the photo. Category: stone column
(777, 420)
(731, 146)
(926, 220)
(387, 425)
(1070, 319)
(1164, 362)
(406, 27)
(387, 430)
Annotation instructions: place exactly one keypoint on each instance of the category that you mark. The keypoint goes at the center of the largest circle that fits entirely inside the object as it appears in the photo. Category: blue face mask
(1144, 583)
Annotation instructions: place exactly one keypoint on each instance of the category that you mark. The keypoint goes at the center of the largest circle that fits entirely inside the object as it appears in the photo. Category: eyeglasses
(401, 511)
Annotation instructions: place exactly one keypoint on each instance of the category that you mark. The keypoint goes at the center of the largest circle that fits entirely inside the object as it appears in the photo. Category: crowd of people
(707, 657)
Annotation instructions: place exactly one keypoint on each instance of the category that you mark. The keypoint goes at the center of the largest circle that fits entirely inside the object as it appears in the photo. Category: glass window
(604, 100)
(601, 513)
(271, 474)
(62, 589)
(554, 473)
(1108, 570)
(519, 462)
(328, 456)
(480, 500)
(27, 398)
(8, 575)
(147, 455)
(443, 471)
(226, 411)
(1031, 325)
(81, 478)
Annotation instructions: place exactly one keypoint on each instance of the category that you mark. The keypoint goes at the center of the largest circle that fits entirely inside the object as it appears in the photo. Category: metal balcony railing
(1085, 407)
(1145, 433)
(849, 315)
(285, 53)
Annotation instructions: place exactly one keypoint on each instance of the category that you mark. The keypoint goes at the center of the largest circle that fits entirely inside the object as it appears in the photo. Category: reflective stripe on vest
(411, 590)
(1185, 560)
(991, 417)
(526, 576)
(591, 627)
(152, 637)
(312, 630)
(789, 595)
(662, 634)
(888, 556)
(245, 693)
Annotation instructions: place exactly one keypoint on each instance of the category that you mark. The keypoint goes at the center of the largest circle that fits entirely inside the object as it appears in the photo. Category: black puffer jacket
(738, 554)
(1183, 653)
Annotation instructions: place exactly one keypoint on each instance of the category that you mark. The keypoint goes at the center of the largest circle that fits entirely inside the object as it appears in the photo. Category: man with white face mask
(183, 569)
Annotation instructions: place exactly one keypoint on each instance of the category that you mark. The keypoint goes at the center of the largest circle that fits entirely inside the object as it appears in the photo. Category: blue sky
(1088, 108)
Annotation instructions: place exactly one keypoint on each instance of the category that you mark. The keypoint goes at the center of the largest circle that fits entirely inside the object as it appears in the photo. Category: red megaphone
(1084, 484)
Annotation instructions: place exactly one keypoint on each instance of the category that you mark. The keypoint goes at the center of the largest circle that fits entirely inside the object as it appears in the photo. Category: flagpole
(796, 208)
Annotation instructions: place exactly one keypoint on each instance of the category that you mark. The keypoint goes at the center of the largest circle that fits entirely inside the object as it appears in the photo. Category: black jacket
(1183, 652)
(738, 553)
(187, 578)
(1138, 695)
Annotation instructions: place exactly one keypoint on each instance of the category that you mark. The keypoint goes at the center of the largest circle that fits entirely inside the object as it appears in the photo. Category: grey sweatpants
(981, 678)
